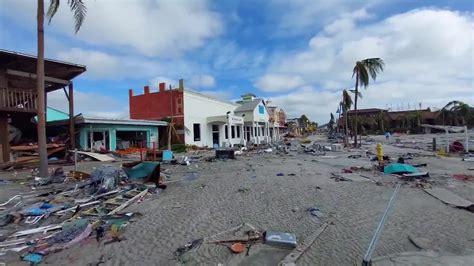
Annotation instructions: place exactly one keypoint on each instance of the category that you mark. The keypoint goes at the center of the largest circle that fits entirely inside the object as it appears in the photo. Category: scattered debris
(315, 212)
(450, 198)
(187, 247)
(280, 239)
(291, 258)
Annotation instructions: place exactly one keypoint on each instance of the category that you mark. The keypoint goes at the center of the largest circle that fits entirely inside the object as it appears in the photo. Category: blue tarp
(141, 170)
(399, 168)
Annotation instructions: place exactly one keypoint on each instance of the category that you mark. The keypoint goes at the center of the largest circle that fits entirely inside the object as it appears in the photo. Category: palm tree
(346, 106)
(79, 10)
(457, 108)
(363, 71)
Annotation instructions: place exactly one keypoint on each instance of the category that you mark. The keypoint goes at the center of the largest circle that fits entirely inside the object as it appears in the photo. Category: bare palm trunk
(41, 93)
(355, 108)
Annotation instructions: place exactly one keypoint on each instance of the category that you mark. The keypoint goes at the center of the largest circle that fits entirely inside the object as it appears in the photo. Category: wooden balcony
(18, 100)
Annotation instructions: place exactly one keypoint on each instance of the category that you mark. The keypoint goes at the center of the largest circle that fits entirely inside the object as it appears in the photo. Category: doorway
(215, 135)
(247, 132)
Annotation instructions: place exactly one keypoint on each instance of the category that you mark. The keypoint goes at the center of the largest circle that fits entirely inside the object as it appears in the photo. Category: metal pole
(375, 238)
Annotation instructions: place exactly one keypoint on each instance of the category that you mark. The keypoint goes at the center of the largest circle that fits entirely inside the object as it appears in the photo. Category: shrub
(178, 148)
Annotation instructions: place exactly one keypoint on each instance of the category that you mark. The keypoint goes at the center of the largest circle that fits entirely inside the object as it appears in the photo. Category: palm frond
(373, 66)
(52, 9)
(347, 100)
(359, 94)
(79, 9)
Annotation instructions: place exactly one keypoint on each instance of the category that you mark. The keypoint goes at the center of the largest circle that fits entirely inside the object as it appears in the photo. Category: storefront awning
(222, 119)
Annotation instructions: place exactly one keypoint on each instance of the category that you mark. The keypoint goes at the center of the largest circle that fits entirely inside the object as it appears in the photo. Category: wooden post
(42, 149)
(4, 143)
(72, 135)
(154, 151)
(141, 154)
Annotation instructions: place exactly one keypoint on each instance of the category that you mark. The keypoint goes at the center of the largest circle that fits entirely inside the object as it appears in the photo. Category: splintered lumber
(291, 258)
(128, 202)
(34, 147)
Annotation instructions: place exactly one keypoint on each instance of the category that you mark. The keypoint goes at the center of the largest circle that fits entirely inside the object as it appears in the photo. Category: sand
(213, 203)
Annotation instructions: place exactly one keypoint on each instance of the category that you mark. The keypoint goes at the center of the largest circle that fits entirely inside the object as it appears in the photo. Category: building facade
(203, 120)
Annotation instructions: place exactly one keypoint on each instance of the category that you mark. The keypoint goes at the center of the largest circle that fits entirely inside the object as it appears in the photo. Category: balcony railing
(18, 100)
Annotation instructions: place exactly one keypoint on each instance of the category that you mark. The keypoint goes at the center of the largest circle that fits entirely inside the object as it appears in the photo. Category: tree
(458, 109)
(346, 106)
(79, 10)
(331, 123)
(363, 71)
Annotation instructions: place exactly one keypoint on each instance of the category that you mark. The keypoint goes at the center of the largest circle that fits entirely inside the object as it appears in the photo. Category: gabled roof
(248, 106)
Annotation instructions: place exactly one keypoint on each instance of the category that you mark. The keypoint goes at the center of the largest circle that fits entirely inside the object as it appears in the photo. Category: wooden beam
(4, 142)
(72, 135)
(33, 76)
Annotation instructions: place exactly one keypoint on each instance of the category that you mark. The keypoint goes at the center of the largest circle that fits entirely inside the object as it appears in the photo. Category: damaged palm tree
(79, 10)
(346, 106)
(363, 71)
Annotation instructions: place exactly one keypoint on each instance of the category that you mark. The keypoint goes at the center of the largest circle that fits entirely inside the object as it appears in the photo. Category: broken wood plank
(450, 198)
(129, 202)
(97, 156)
(291, 258)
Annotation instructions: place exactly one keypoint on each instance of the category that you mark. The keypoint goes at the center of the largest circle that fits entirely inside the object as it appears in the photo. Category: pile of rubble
(67, 208)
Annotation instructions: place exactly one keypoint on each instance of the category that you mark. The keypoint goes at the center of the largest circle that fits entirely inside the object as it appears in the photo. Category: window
(258, 131)
(197, 132)
(179, 110)
(215, 128)
(261, 109)
(238, 131)
(226, 132)
(232, 131)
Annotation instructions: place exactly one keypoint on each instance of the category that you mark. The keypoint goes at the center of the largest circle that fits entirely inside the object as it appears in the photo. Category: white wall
(197, 108)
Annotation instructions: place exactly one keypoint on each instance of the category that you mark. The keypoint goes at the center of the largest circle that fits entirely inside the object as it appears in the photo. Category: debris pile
(66, 208)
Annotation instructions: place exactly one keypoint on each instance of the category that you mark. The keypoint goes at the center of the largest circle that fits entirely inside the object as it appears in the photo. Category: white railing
(17, 99)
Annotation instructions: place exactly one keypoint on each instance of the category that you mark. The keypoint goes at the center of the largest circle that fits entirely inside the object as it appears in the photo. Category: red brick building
(160, 105)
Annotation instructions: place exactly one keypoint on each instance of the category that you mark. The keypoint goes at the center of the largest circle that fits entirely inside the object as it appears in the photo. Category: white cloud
(278, 82)
(104, 65)
(90, 104)
(202, 81)
(297, 16)
(150, 27)
(428, 56)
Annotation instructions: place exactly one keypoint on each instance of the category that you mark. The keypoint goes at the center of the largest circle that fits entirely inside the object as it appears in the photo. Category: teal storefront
(109, 134)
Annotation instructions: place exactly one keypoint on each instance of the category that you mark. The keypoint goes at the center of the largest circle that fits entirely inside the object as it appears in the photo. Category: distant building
(373, 120)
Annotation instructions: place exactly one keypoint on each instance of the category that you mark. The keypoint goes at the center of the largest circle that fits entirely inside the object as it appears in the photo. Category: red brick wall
(156, 105)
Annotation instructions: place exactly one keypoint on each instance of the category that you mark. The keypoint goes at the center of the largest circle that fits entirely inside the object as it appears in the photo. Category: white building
(206, 119)
(203, 120)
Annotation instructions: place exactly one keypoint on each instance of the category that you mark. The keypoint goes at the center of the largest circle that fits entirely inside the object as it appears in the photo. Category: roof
(367, 111)
(27, 63)
(248, 106)
(80, 119)
(136, 122)
(53, 114)
(248, 94)
(424, 114)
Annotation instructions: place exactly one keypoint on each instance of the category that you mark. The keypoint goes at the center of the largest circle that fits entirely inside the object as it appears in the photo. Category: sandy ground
(213, 203)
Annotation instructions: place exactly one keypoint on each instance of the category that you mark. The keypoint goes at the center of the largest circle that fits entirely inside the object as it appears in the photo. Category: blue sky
(298, 54)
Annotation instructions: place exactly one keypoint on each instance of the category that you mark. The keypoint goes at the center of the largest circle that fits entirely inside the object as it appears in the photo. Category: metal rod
(375, 238)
